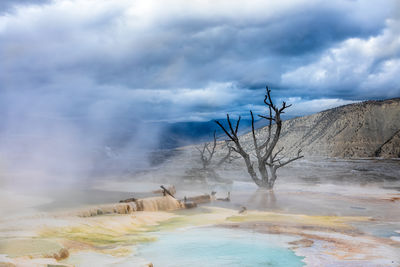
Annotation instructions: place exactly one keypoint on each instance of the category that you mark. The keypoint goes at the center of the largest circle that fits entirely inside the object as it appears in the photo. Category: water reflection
(263, 199)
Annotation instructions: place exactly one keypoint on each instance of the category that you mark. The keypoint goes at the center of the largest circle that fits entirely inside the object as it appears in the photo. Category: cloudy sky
(75, 73)
(194, 60)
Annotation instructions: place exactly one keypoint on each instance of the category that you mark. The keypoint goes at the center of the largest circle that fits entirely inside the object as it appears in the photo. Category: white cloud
(302, 106)
(363, 66)
(306, 107)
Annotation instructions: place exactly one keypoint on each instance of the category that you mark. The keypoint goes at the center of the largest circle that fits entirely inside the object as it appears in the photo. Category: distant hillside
(367, 129)
(188, 133)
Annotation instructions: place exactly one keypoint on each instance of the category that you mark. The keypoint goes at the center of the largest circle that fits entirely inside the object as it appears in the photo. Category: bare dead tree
(209, 166)
(228, 157)
(268, 161)
(206, 154)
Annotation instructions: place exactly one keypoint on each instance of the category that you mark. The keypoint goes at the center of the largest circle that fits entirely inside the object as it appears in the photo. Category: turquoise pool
(211, 246)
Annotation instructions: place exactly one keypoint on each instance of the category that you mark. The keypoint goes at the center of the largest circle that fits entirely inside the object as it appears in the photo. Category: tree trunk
(273, 177)
(264, 174)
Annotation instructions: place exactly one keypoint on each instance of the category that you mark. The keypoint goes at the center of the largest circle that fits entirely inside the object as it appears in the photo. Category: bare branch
(265, 144)
(290, 160)
(253, 132)
(278, 160)
(206, 146)
(268, 99)
(227, 156)
(230, 126)
(214, 145)
(278, 123)
(234, 149)
(284, 106)
(276, 154)
(237, 126)
(233, 133)
(226, 132)
(267, 118)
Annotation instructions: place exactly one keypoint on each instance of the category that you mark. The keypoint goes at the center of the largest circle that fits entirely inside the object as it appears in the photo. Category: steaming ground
(310, 177)
(311, 186)
(324, 202)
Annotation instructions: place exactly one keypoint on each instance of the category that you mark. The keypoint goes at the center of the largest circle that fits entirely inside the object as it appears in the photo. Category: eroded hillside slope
(367, 129)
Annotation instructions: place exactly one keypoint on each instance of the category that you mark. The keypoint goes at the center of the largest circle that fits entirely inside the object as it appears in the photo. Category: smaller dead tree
(268, 160)
(209, 166)
(228, 157)
(206, 154)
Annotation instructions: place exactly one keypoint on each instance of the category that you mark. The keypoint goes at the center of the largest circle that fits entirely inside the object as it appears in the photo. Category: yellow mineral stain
(29, 247)
(108, 230)
(298, 219)
(205, 216)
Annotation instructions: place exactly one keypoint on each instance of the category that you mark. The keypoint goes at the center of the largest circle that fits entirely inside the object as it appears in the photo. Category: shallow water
(324, 187)
(219, 247)
(386, 229)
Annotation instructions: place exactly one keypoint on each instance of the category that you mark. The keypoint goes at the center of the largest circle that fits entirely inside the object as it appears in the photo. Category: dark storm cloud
(10, 5)
(93, 52)
(191, 51)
